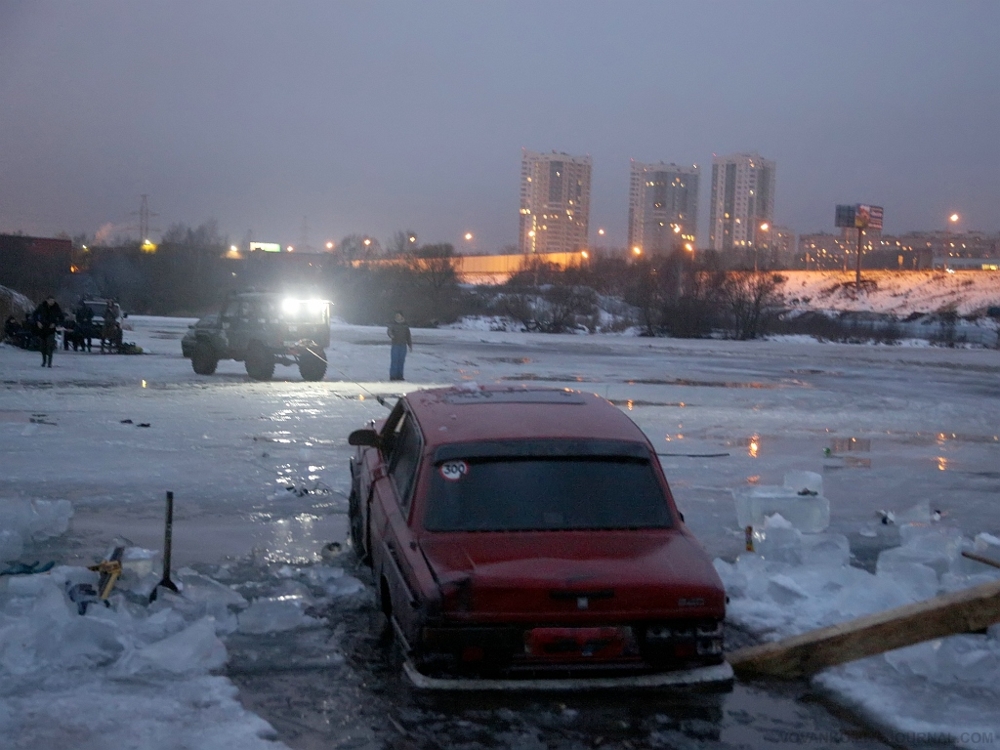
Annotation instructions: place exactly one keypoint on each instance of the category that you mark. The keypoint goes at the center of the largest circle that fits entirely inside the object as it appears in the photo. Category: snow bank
(796, 582)
(14, 303)
(901, 293)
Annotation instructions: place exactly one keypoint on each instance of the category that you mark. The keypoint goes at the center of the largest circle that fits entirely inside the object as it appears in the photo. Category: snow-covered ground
(259, 472)
(899, 293)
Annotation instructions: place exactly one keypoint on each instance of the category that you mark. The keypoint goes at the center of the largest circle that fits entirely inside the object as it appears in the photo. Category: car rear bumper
(716, 674)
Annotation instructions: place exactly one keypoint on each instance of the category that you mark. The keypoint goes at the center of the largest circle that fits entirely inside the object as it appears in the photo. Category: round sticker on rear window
(454, 470)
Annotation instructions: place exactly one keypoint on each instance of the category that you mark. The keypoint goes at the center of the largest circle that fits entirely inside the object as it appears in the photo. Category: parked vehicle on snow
(262, 329)
(520, 537)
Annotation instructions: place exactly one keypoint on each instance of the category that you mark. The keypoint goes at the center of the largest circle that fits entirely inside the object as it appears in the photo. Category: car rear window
(551, 493)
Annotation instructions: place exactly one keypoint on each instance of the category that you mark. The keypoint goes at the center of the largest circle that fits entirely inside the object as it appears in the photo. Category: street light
(468, 236)
(329, 245)
(637, 251)
(763, 227)
(954, 218)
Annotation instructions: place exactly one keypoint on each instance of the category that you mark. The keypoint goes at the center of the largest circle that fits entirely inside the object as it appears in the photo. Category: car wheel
(203, 359)
(259, 363)
(357, 527)
(312, 364)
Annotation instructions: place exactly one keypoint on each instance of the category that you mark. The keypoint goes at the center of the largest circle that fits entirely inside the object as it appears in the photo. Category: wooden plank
(963, 611)
(981, 558)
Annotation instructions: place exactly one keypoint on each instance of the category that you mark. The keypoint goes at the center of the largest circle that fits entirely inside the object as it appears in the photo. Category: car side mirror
(365, 436)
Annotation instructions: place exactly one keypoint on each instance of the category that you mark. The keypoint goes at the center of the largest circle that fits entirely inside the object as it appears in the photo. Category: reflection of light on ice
(754, 446)
(942, 463)
(294, 540)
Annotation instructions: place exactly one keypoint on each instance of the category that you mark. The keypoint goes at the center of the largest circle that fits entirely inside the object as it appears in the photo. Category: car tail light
(708, 636)
(710, 647)
(684, 640)
(473, 653)
(658, 633)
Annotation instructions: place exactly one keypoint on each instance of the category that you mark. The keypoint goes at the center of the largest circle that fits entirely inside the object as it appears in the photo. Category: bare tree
(746, 296)
(402, 243)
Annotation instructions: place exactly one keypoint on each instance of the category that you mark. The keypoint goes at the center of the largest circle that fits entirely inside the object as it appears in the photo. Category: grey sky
(370, 117)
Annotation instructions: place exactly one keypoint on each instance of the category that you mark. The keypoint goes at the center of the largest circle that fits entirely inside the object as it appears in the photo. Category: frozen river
(259, 472)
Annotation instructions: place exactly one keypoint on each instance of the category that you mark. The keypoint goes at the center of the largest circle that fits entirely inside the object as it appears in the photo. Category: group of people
(48, 318)
(39, 329)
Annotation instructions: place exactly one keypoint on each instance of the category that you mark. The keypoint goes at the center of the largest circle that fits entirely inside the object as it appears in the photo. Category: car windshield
(553, 494)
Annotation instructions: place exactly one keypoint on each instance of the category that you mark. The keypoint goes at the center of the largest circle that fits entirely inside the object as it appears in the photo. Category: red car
(530, 535)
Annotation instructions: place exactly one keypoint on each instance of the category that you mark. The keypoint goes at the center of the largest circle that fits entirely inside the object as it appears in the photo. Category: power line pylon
(144, 216)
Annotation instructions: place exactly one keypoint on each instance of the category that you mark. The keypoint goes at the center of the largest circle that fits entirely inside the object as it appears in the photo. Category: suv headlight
(313, 308)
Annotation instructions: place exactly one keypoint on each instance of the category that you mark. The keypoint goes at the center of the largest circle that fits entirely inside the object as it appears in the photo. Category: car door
(402, 566)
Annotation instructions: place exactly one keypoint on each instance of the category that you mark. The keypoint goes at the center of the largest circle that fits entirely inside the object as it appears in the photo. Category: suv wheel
(203, 359)
(312, 364)
(259, 363)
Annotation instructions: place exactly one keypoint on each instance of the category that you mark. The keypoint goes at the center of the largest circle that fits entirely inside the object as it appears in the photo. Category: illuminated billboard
(859, 215)
(267, 247)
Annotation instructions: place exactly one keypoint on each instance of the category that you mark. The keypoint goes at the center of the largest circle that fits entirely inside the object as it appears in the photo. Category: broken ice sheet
(276, 614)
(195, 649)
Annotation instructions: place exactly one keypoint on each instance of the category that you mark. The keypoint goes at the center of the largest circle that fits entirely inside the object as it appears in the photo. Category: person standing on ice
(399, 334)
(48, 317)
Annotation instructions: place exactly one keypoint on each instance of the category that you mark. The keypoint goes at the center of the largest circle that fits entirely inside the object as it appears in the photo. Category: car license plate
(577, 643)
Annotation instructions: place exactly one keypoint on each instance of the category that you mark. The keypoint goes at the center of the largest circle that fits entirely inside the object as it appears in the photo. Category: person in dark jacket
(48, 317)
(399, 334)
(11, 328)
(84, 325)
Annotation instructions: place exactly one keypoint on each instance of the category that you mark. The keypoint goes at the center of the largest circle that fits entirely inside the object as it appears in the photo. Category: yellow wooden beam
(963, 611)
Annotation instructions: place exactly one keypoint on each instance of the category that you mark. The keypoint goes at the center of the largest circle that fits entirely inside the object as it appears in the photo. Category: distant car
(262, 329)
(530, 534)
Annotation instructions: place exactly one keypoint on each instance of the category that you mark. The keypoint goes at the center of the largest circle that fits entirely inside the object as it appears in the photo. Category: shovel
(168, 533)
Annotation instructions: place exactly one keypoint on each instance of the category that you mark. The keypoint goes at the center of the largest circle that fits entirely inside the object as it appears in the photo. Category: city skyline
(373, 118)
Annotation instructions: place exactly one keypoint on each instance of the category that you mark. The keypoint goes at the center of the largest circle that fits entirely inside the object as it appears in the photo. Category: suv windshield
(552, 494)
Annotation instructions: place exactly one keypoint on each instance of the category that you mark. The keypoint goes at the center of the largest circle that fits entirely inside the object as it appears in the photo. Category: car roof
(485, 413)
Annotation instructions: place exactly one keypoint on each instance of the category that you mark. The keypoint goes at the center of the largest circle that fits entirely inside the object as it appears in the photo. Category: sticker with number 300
(454, 470)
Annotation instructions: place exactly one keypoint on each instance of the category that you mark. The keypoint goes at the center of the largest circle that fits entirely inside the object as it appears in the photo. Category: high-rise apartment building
(555, 202)
(742, 201)
(662, 207)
